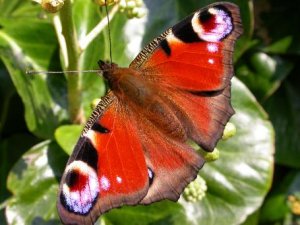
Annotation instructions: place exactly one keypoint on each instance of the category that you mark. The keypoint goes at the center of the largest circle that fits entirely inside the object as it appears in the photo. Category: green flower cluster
(132, 8)
(196, 190)
(107, 2)
(212, 156)
(229, 131)
(52, 6)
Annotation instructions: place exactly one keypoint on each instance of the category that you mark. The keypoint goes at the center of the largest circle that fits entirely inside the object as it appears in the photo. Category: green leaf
(34, 186)
(284, 110)
(86, 16)
(66, 136)
(280, 200)
(239, 180)
(162, 213)
(263, 73)
(272, 18)
(18, 143)
(33, 48)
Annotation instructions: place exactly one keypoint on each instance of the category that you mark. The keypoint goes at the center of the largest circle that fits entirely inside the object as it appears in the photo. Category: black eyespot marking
(72, 178)
(206, 93)
(205, 16)
(185, 32)
(165, 46)
(151, 176)
(97, 127)
(88, 153)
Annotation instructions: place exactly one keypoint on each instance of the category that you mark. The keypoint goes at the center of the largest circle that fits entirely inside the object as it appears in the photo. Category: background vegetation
(39, 113)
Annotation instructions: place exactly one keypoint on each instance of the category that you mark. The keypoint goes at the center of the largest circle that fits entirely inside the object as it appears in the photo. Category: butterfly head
(106, 66)
(121, 80)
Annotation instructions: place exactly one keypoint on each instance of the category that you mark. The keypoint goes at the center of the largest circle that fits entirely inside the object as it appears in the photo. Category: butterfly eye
(151, 176)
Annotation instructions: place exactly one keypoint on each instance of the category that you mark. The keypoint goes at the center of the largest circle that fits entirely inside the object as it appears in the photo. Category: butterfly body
(133, 149)
(144, 97)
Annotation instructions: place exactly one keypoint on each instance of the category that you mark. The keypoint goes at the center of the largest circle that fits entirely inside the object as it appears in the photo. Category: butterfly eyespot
(213, 25)
(81, 188)
(151, 176)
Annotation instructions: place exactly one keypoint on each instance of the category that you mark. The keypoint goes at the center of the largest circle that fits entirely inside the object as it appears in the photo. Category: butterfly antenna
(31, 72)
(108, 27)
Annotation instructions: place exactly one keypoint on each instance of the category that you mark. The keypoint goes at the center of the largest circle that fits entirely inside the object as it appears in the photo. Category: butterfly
(133, 149)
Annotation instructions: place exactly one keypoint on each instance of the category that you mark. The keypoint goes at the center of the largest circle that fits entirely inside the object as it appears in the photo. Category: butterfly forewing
(134, 148)
(192, 62)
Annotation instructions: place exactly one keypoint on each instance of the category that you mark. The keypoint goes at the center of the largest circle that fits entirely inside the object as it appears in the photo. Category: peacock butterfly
(133, 149)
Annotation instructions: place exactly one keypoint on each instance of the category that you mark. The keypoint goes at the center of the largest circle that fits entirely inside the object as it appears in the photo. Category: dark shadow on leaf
(41, 221)
(19, 168)
(57, 160)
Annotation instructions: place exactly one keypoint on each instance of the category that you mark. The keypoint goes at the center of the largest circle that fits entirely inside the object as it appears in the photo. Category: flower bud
(294, 204)
(212, 156)
(52, 6)
(196, 190)
(107, 2)
(229, 131)
(132, 8)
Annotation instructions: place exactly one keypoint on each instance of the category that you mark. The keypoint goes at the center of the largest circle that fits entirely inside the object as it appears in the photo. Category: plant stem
(84, 43)
(73, 52)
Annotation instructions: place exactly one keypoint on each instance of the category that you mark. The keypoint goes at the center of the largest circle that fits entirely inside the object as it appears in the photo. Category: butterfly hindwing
(173, 164)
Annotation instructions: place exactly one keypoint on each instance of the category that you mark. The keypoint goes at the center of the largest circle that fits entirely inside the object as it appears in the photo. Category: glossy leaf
(33, 48)
(86, 16)
(162, 213)
(277, 22)
(33, 184)
(280, 201)
(66, 136)
(237, 182)
(284, 109)
(263, 73)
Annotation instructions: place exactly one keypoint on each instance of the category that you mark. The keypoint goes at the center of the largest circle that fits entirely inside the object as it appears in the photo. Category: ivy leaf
(66, 136)
(33, 48)
(34, 186)
(263, 73)
(284, 109)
